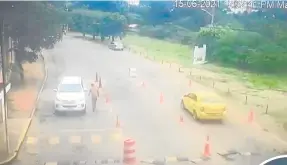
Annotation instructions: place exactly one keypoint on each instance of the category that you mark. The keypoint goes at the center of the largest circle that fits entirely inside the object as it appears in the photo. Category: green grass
(260, 81)
(182, 54)
(160, 49)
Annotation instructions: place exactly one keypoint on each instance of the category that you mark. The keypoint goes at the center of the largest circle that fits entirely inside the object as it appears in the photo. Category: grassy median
(160, 49)
(182, 54)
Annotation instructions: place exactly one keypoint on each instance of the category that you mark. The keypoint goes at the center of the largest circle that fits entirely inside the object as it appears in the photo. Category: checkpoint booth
(132, 72)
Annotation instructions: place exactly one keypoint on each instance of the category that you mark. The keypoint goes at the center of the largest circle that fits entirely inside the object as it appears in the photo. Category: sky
(133, 2)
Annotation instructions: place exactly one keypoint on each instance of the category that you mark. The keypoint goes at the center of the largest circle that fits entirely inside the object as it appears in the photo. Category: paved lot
(155, 127)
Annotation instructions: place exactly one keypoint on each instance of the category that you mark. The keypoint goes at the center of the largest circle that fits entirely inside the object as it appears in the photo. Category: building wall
(199, 54)
(9, 58)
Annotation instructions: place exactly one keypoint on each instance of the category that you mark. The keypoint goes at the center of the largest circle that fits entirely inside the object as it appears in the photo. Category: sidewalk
(16, 132)
(21, 104)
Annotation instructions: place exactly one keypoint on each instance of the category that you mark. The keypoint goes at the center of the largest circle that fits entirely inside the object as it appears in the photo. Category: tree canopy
(255, 41)
(33, 26)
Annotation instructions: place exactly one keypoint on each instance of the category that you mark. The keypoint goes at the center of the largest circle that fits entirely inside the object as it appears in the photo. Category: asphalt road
(156, 128)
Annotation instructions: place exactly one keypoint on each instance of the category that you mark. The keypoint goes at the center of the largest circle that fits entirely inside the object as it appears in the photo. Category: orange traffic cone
(143, 84)
(100, 82)
(107, 100)
(189, 84)
(250, 116)
(161, 98)
(181, 119)
(206, 152)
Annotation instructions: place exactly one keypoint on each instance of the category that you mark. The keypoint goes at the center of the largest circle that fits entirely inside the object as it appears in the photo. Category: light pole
(3, 53)
(211, 14)
(67, 10)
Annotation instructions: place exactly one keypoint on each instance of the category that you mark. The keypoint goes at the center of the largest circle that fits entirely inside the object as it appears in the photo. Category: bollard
(161, 61)
(117, 122)
(179, 69)
(266, 110)
(100, 82)
(213, 84)
(245, 99)
(199, 77)
(169, 65)
(129, 152)
(190, 73)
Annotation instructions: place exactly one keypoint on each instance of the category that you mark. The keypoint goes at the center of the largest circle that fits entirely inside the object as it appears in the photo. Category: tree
(98, 23)
(245, 40)
(33, 26)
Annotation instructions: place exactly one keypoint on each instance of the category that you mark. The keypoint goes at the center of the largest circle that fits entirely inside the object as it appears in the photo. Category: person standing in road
(94, 91)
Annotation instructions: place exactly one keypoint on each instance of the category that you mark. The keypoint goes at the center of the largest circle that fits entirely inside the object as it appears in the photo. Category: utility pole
(212, 13)
(3, 53)
(67, 10)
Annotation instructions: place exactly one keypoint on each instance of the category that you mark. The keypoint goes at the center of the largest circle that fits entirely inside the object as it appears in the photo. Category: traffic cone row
(207, 147)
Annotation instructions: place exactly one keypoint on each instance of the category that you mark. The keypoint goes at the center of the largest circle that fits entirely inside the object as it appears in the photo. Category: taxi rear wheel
(195, 115)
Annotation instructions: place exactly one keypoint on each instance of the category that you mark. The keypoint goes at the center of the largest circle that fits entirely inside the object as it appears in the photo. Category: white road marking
(89, 130)
(96, 139)
(51, 163)
(75, 139)
(54, 140)
(31, 140)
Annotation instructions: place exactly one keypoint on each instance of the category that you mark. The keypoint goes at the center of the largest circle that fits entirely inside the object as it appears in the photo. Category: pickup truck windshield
(70, 88)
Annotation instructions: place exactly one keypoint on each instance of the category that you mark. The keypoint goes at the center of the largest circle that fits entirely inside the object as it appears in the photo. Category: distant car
(70, 95)
(204, 106)
(116, 46)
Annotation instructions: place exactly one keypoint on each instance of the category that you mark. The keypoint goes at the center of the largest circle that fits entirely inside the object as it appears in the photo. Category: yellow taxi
(204, 106)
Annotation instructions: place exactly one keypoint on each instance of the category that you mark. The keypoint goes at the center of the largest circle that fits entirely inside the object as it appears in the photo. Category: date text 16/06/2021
(281, 4)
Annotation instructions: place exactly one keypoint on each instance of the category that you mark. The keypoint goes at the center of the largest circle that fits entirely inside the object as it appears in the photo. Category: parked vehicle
(70, 95)
(203, 105)
(116, 46)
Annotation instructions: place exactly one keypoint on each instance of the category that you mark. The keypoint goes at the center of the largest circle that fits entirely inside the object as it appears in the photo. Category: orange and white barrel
(129, 152)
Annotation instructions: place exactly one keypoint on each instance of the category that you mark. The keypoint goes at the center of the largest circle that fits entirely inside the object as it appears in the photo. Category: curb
(231, 154)
(108, 161)
(24, 133)
(175, 159)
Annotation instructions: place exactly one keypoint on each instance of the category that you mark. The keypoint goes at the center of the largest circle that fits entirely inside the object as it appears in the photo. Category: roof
(205, 94)
(71, 80)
